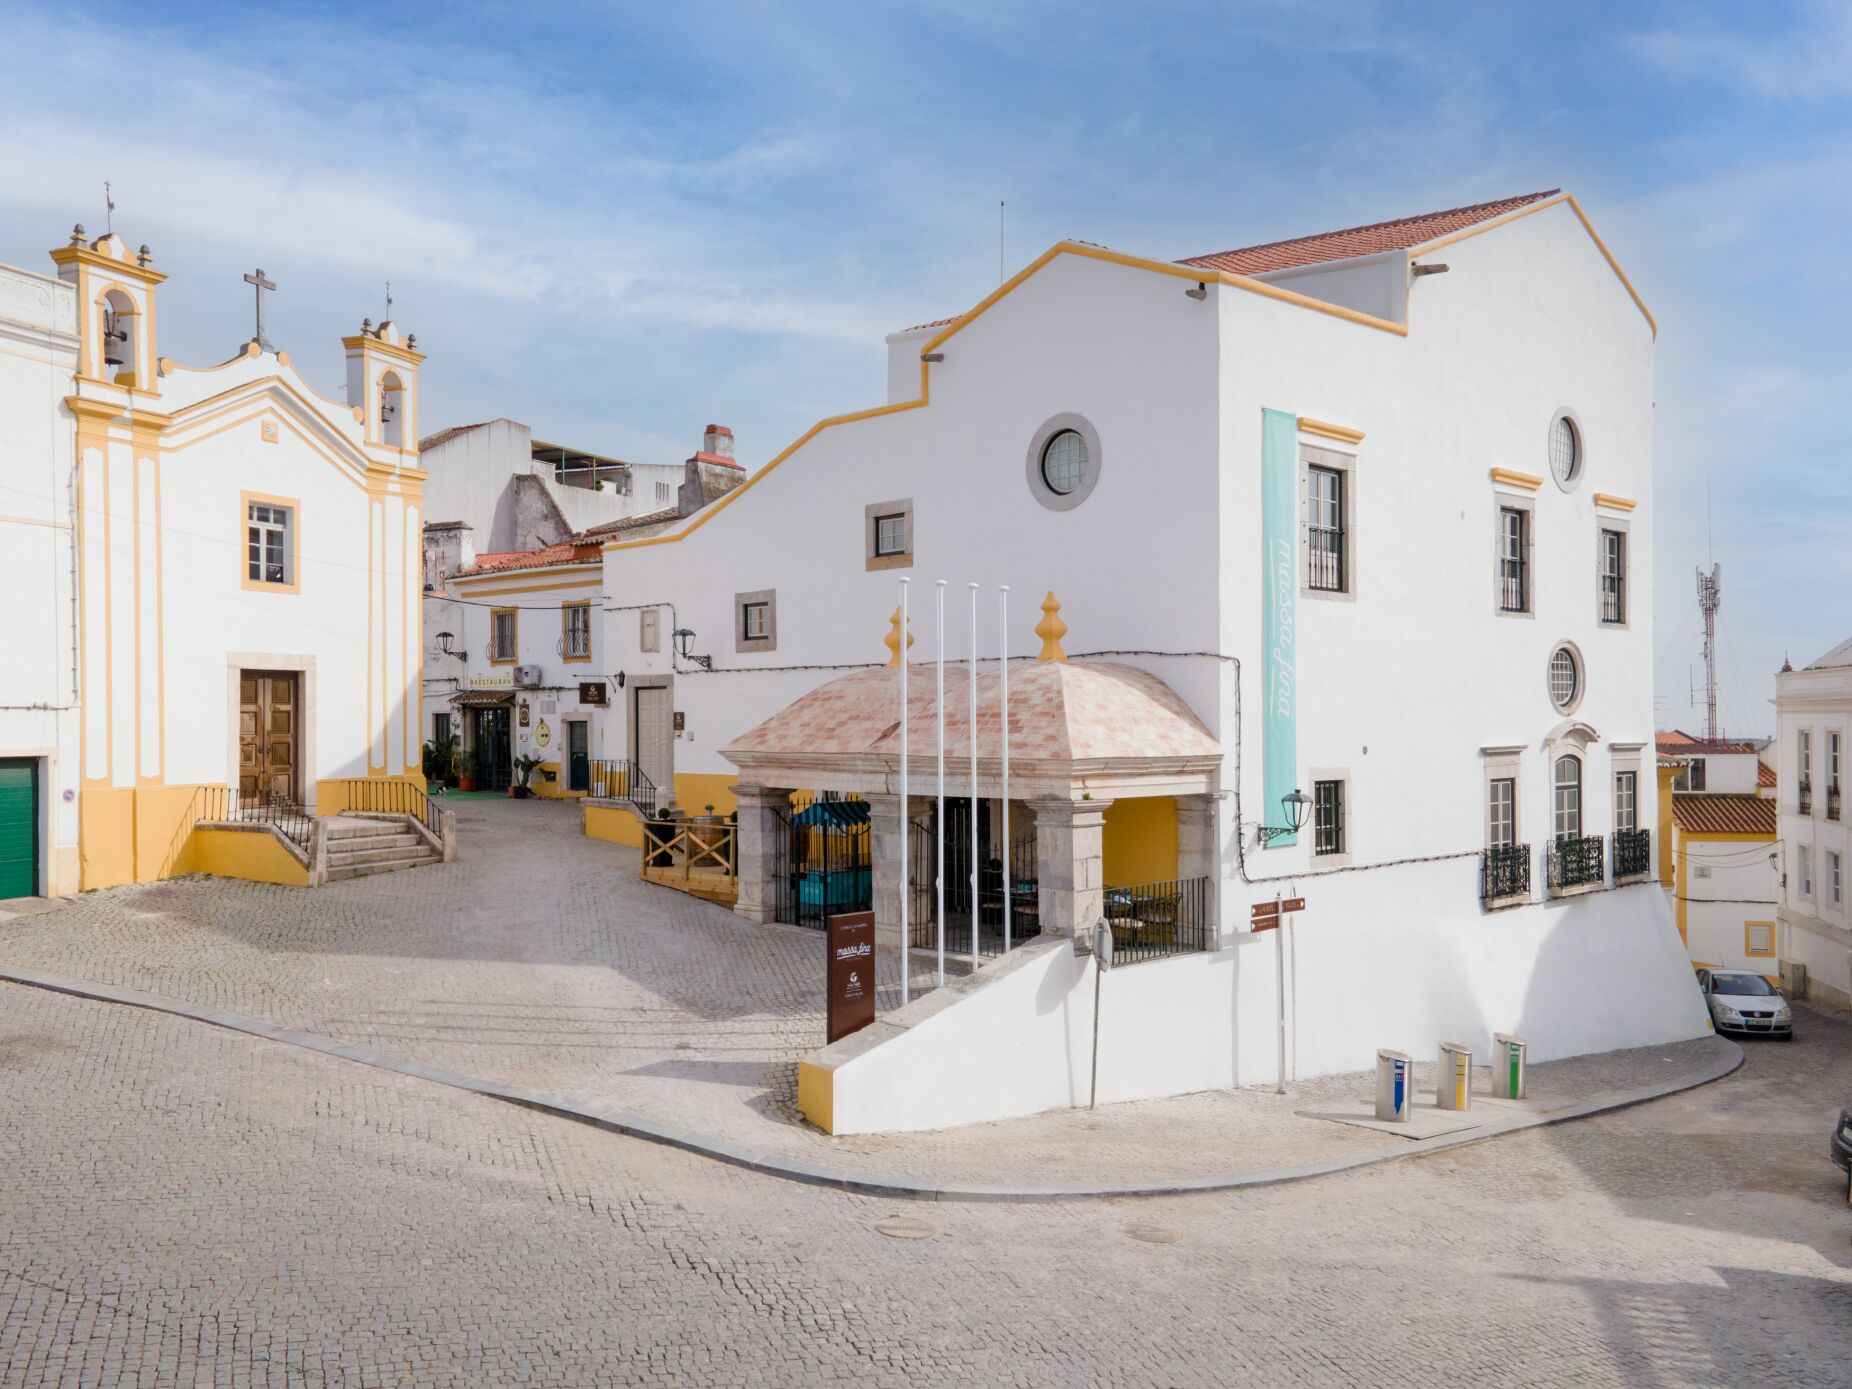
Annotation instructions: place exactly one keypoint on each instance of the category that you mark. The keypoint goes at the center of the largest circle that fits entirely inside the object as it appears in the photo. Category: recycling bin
(1395, 1086)
(1507, 1066)
(1453, 1082)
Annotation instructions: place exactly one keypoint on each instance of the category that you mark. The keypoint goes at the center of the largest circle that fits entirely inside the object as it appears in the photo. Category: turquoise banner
(1279, 533)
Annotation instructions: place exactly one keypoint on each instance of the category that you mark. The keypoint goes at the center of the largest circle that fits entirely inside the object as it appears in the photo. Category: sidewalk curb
(636, 1126)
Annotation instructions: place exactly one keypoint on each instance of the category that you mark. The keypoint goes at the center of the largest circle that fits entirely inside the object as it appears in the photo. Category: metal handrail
(229, 805)
(1154, 920)
(373, 796)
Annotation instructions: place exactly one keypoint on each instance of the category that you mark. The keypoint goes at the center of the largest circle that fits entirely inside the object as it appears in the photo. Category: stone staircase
(357, 846)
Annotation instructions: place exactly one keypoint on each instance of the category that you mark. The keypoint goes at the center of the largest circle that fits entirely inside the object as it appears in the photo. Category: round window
(1065, 463)
(1565, 679)
(1565, 449)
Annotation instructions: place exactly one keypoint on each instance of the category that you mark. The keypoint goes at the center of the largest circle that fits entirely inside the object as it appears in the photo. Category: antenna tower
(1710, 597)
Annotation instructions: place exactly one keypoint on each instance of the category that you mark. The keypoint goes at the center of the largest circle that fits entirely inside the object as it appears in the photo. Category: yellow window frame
(515, 616)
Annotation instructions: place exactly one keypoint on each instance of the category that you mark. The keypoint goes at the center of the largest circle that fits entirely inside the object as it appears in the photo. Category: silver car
(1743, 1001)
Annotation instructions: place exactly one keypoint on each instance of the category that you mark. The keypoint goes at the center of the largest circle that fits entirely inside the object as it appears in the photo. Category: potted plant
(524, 767)
(439, 760)
(463, 768)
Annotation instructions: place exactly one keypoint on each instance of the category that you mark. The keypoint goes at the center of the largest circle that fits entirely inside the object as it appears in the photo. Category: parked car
(1842, 1140)
(1743, 1001)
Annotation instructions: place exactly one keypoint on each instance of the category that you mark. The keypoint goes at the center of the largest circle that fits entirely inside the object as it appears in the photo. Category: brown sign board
(591, 692)
(851, 973)
(1266, 911)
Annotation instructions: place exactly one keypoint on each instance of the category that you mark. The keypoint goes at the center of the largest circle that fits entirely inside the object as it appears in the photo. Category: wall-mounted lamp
(684, 647)
(1295, 804)
(444, 640)
(1200, 292)
(620, 680)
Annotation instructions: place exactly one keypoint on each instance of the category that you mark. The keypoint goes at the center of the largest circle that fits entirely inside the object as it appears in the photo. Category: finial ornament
(77, 234)
(1051, 629)
(892, 640)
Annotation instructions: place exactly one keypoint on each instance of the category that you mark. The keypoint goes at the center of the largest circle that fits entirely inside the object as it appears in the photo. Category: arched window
(1566, 785)
(392, 410)
(118, 329)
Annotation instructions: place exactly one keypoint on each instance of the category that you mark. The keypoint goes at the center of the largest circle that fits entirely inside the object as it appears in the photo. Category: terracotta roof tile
(630, 523)
(500, 561)
(936, 323)
(1398, 235)
(1765, 774)
(1697, 812)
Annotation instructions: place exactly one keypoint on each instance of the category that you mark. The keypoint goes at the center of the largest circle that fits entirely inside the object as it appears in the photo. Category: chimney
(711, 473)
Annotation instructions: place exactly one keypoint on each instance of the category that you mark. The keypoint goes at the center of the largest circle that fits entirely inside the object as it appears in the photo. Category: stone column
(1069, 849)
(885, 826)
(1196, 852)
(760, 825)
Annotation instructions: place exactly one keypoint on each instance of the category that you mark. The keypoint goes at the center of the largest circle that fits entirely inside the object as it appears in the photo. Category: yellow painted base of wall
(249, 854)
(1139, 841)
(554, 789)
(816, 1095)
(64, 872)
(695, 791)
(612, 825)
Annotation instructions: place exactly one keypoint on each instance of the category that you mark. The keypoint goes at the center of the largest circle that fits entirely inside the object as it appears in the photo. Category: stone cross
(262, 284)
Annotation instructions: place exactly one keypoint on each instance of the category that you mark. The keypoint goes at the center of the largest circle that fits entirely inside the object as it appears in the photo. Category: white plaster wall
(1742, 887)
(1376, 285)
(1133, 566)
(903, 362)
(1817, 932)
(1405, 979)
(1732, 773)
(39, 715)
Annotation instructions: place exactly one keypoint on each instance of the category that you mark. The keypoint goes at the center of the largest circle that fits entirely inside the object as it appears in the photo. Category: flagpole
(1003, 684)
(906, 820)
(939, 827)
(977, 902)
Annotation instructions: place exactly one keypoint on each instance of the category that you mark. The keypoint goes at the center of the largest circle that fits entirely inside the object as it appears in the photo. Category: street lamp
(444, 640)
(684, 647)
(1294, 803)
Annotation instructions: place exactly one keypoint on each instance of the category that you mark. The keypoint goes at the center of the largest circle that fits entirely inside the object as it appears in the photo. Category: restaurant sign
(850, 974)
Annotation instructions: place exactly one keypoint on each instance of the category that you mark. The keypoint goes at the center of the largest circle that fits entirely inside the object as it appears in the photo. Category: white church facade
(1373, 508)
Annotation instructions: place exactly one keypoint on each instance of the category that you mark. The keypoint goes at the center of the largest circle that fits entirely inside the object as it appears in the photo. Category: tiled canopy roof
(1060, 712)
(1704, 813)
(1398, 235)
(498, 561)
(1678, 743)
(1765, 774)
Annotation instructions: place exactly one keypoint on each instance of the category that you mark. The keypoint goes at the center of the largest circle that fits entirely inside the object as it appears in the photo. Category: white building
(39, 723)
(246, 557)
(1370, 505)
(1813, 714)
(1718, 827)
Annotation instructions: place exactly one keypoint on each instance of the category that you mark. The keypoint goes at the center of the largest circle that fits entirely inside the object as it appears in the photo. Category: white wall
(1817, 930)
(1738, 888)
(1376, 285)
(1405, 980)
(38, 680)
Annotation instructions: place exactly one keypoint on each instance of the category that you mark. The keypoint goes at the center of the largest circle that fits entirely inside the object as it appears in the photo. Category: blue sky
(619, 222)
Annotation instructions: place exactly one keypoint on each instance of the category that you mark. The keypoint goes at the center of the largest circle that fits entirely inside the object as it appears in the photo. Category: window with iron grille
(1626, 806)
(1327, 817)
(576, 634)
(1513, 560)
(891, 535)
(1502, 812)
(440, 728)
(1567, 797)
(1325, 530)
(1613, 576)
(502, 635)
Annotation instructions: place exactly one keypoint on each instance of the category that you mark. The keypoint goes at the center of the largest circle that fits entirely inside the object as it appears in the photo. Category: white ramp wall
(1598, 973)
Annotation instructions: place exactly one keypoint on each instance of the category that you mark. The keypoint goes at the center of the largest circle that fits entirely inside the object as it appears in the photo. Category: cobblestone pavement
(541, 960)
(182, 1205)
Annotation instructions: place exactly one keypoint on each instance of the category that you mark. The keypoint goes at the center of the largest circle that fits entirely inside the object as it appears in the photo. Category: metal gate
(824, 862)
(1024, 888)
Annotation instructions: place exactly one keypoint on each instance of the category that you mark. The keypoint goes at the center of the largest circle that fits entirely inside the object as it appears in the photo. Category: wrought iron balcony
(1504, 872)
(1633, 854)
(1832, 801)
(1805, 805)
(1577, 863)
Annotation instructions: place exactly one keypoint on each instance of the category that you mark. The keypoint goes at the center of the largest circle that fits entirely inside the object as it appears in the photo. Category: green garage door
(19, 827)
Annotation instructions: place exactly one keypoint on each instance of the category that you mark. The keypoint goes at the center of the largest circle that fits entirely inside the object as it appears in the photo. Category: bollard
(1394, 1086)
(1507, 1066)
(1453, 1083)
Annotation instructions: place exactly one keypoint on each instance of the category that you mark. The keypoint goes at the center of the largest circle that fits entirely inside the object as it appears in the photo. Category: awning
(832, 813)
(482, 699)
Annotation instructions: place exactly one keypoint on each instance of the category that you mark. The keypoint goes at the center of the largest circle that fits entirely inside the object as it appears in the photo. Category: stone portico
(1082, 735)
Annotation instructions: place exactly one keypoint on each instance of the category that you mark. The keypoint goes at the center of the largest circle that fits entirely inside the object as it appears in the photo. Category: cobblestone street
(186, 1205)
